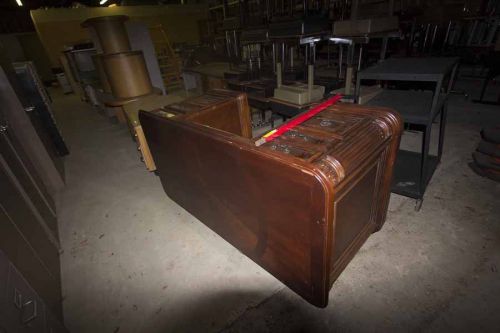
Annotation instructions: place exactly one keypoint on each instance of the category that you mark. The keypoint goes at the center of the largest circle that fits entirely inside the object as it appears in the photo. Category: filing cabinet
(24, 310)
(21, 308)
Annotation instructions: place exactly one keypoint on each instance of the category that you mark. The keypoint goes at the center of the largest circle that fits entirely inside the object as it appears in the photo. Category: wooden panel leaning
(300, 206)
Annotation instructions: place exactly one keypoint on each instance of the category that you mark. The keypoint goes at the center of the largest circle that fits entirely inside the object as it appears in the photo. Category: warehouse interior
(249, 166)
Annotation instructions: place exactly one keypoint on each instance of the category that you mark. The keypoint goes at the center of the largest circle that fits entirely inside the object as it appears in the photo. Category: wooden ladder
(168, 60)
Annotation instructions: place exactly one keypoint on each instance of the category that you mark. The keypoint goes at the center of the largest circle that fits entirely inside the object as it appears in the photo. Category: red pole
(269, 136)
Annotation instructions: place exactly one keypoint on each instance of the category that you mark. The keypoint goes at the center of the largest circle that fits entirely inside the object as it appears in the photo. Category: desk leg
(143, 148)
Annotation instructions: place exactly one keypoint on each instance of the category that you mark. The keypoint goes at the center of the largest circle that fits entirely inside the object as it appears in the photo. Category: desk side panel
(269, 208)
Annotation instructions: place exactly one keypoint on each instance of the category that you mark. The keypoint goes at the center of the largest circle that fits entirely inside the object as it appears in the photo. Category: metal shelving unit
(411, 174)
(420, 108)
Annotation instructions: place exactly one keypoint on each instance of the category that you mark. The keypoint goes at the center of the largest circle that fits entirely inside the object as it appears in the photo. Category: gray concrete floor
(134, 261)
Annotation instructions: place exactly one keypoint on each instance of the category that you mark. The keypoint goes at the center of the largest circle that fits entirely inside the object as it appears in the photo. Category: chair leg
(442, 126)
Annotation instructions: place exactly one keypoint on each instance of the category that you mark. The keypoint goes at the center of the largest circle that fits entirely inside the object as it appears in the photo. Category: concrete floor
(134, 261)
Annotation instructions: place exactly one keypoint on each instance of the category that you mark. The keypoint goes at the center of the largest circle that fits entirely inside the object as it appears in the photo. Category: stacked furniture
(361, 32)
(81, 69)
(124, 74)
(253, 41)
(292, 99)
(118, 59)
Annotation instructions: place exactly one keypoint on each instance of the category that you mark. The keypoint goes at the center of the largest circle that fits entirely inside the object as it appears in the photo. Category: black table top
(410, 69)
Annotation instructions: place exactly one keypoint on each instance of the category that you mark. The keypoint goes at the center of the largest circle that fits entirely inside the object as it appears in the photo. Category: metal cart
(419, 109)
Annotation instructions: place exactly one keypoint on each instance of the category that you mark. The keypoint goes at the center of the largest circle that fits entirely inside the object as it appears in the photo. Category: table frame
(428, 163)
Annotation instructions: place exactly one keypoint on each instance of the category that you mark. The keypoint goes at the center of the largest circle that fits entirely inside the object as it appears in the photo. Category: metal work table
(419, 108)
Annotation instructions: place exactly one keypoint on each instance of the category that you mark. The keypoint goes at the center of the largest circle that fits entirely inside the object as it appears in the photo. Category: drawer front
(28, 179)
(19, 209)
(24, 310)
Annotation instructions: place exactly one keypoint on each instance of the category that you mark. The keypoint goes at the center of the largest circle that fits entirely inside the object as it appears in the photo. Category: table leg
(360, 56)
(437, 92)
(357, 89)
(426, 138)
(341, 51)
(442, 126)
(484, 86)
(383, 49)
(328, 54)
(350, 69)
(452, 79)
(274, 58)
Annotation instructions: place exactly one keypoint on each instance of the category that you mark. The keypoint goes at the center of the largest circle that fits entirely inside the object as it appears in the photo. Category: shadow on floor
(203, 314)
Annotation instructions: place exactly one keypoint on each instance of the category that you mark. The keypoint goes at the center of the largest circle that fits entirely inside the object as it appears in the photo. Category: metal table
(414, 170)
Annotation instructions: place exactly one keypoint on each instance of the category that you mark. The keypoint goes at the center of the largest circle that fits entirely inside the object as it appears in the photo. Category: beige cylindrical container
(111, 32)
(127, 74)
(101, 73)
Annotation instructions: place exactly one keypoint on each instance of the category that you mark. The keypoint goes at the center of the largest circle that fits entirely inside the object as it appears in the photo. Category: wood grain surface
(300, 206)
